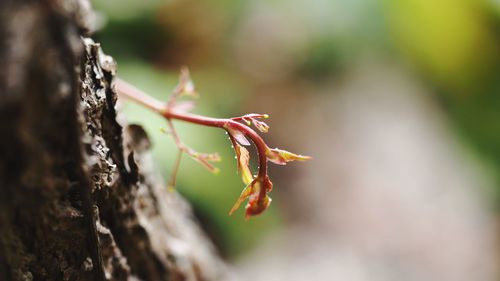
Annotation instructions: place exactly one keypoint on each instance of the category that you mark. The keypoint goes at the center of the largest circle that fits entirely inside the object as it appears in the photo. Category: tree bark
(79, 197)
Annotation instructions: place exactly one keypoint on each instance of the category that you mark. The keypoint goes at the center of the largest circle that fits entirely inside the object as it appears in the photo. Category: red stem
(125, 89)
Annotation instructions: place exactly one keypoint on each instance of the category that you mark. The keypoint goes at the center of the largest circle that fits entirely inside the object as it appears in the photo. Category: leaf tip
(281, 157)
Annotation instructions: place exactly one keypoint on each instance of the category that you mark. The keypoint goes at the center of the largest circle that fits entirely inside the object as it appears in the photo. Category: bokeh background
(397, 101)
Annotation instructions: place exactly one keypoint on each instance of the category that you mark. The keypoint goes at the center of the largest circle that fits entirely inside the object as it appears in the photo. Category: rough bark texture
(79, 198)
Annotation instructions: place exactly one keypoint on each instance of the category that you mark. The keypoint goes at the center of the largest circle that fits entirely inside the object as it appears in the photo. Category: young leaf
(205, 159)
(258, 200)
(243, 196)
(243, 159)
(186, 85)
(239, 136)
(260, 125)
(256, 205)
(281, 157)
(243, 162)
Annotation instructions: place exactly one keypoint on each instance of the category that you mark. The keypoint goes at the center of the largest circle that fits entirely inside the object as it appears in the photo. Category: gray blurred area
(390, 194)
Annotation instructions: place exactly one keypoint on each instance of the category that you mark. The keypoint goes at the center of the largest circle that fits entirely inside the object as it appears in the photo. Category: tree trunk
(79, 197)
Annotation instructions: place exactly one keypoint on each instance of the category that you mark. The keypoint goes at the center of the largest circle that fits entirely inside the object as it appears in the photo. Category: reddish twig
(257, 187)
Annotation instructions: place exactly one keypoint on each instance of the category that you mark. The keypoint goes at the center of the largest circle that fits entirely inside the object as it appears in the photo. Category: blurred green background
(451, 46)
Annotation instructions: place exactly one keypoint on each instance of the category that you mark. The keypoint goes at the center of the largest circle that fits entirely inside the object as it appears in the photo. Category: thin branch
(259, 186)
